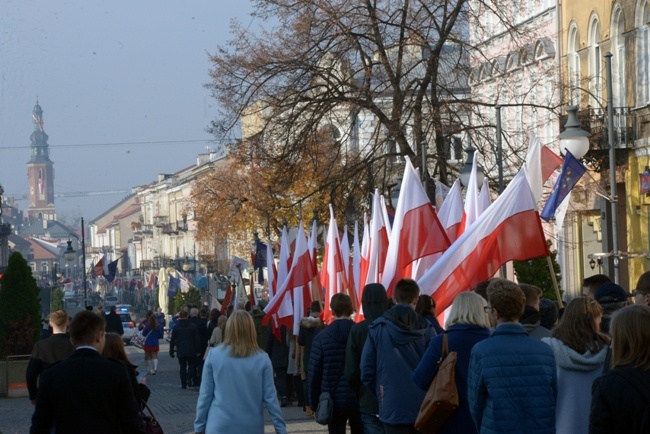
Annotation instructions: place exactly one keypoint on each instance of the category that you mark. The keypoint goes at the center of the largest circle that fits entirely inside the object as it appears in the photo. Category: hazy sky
(107, 72)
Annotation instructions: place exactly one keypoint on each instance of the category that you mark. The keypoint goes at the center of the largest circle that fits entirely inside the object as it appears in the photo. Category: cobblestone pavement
(173, 407)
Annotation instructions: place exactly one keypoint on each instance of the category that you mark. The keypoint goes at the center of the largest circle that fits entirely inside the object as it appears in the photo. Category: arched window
(643, 52)
(573, 62)
(618, 60)
(595, 63)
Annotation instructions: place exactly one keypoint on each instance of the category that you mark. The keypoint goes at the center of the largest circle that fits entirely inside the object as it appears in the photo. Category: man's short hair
(341, 305)
(59, 318)
(85, 326)
(194, 311)
(183, 314)
(113, 308)
(406, 291)
(315, 306)
(592, 283)
(507, 299)
(481, 289)
(532, 293)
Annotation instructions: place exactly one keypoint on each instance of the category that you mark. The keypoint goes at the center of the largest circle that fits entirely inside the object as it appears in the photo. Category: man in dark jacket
(186, 342)
(310, 326)
(48, 351)
(200, 320)
(396, 342)
(278, 351)
(374, 301)
(86, 393)
(114, 322)
(327, 366)
(512, 378)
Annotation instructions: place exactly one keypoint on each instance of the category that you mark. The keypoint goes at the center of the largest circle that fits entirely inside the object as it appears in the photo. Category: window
(573, 62)
(595, 62)
(618, 60)
(643, 53)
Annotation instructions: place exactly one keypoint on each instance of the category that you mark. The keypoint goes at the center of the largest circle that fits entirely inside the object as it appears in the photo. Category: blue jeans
(371, 424)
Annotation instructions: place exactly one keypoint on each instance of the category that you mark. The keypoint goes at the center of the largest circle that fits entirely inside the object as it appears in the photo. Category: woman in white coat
(237, 378)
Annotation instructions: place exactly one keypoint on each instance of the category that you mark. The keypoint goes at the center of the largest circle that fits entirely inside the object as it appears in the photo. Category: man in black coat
(48, 351)
(200, 320)
(186, 343)
(114, 322)
(86, 392)
(374, 301)
(278, 351)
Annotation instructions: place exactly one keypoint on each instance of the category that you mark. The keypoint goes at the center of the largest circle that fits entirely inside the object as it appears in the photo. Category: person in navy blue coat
(395, 345)
(512, 381)
(327, 364)
(467, 325)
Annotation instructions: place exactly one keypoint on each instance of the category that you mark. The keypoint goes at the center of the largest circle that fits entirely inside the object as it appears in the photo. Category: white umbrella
(163, 286)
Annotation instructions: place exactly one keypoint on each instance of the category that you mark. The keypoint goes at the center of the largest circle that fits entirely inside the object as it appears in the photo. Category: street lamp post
(70, 255)
(612, 166)
(466, 170)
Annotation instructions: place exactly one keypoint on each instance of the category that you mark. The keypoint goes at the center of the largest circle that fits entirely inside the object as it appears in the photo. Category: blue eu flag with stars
(572, 171)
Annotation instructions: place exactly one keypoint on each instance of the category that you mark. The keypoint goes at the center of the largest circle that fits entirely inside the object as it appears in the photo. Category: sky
(105, 73)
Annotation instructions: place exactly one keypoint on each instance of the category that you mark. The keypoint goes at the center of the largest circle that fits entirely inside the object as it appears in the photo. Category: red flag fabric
(301, 273)
(365, 256)
(378, 241)
(226, 300)
(333, 272)
(416, 231)
(509, 230)
(550, 162)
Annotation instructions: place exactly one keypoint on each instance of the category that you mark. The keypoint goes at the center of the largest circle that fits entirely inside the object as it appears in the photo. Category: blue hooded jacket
(395, 345)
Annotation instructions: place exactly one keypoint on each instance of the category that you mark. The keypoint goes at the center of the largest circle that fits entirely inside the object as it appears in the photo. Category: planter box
(12, 376)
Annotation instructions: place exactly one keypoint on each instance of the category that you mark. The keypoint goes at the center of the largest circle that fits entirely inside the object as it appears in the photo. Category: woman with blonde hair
(467, 324)
(620, 400)
(237, 375)
(580, 350)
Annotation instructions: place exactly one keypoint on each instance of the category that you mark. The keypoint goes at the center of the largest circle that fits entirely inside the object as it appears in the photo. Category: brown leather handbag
(441, 399)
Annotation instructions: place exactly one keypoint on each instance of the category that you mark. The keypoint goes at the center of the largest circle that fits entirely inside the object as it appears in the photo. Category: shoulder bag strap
(445, 346)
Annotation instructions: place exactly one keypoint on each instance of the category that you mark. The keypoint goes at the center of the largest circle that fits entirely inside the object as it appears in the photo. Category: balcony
(181, 226)
(143, 230)
(594, 121)
(160, 220)
(169, 229)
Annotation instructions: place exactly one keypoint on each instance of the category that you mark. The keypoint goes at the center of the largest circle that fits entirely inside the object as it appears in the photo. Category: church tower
(40, 171)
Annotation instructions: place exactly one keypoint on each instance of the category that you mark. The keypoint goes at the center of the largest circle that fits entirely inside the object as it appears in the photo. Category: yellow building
(587, 30)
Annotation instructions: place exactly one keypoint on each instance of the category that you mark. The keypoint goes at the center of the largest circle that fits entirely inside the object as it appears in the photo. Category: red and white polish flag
(333, 271)
(510, 229)
(378, 246)
(416, 231)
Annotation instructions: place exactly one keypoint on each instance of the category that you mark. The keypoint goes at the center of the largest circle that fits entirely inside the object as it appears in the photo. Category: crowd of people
(524, 364)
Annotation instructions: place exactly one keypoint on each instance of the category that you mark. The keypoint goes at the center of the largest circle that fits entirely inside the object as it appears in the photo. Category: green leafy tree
(536, 272)
(57, 299)
(19, 308)
(193, 296)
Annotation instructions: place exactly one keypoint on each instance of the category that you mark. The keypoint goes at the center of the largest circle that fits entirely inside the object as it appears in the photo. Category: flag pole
(552, 271)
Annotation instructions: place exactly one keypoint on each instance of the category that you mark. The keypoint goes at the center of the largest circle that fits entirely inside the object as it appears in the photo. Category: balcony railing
(160, 220)
(594, 121)
(169, 229)
(143, 230)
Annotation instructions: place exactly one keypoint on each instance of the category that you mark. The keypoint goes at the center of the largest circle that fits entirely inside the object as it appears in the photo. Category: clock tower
(40, 172)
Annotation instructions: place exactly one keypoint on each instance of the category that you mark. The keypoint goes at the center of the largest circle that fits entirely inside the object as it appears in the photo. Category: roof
(42, 249)
(53, 229)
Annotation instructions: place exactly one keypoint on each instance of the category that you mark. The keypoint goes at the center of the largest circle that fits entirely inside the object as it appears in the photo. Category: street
(173, 407)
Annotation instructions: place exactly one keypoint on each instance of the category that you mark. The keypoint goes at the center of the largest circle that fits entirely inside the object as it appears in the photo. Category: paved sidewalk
(173, 407)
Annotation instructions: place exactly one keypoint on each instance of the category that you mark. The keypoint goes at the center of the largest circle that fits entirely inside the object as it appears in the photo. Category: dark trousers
(298, 389)
(340, 420)
(281, 381)
(188, 371)
(371, 424)
(400, 429)
(198, 367)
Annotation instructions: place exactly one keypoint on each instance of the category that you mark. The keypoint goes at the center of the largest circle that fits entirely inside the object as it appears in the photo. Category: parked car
(129, 327)
(110, 300)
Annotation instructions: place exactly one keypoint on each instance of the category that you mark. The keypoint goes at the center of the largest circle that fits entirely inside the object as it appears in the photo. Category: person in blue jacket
(327, 365)
(512, 380)
(395, 345)
(467, 325)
